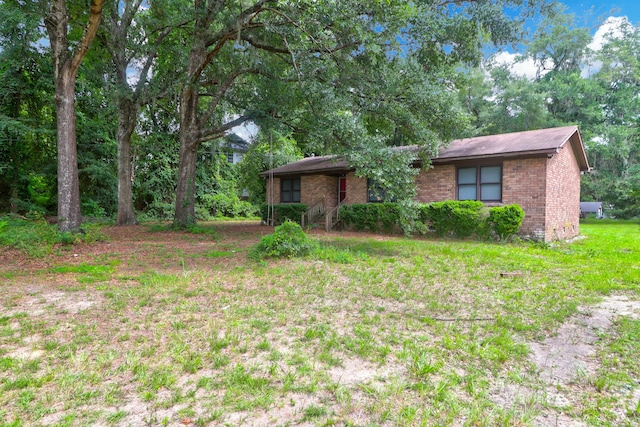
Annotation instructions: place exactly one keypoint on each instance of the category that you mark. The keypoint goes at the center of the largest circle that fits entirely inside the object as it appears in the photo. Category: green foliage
(284, 212)
(288, 240)
(371, 216)
(272, 149)
(505, 221)
(460, 218)
(37, 238)
(449, 218)
(224, 205)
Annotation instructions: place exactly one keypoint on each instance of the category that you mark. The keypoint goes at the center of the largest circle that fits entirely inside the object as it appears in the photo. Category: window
(375, 194)
(480, 183)
(290, 190)
(230, 158)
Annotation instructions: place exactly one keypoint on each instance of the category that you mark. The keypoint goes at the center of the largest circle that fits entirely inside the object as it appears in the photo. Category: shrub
(288, 240)
(460, 218)
(505, 221)
(371, 216)
(284, 212)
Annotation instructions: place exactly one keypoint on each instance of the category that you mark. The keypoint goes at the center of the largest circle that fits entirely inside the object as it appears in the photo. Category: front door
(342, 189)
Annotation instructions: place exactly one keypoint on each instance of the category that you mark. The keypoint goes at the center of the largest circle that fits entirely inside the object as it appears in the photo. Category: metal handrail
(312, 214)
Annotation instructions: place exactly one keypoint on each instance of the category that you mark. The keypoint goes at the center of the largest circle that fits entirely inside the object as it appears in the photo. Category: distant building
(594, 208)
(234, 147)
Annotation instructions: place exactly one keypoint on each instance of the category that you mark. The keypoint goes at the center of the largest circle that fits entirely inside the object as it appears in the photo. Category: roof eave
(530, 153)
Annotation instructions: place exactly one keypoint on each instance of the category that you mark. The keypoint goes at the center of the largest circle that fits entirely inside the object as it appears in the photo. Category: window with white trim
(482, 183)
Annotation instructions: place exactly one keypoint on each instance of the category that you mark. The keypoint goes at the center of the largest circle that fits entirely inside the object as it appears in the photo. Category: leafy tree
(517, 106)
(68, 49)
(364, 74)
(132, 36)
(26, 120)
(270, 150)
(615, 153)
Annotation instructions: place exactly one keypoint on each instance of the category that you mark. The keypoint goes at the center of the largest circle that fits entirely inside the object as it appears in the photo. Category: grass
(365, 331)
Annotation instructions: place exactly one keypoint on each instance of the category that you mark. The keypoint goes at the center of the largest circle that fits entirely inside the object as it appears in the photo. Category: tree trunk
(185, 213)
(126, 123)
(65, 69)
(69, 216)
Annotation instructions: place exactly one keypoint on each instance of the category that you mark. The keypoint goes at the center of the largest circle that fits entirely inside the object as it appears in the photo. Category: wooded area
(159, 84)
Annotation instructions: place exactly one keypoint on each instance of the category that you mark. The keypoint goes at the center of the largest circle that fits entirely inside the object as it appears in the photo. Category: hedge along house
(539, 170)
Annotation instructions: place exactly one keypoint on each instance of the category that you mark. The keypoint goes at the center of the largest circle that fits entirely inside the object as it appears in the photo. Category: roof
(590, 206)
(517, 144)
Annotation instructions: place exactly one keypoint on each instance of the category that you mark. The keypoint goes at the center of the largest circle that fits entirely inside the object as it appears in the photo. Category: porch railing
(312, 214)
(332, 218)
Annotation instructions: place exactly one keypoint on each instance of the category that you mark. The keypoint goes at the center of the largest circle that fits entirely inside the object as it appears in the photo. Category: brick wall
(563, 196)
(524, 183)
(275, 189)
(436, 184)
(315, 188)
(356, 189)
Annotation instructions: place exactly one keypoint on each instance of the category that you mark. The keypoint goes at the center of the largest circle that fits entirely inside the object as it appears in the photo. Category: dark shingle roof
(517, 144)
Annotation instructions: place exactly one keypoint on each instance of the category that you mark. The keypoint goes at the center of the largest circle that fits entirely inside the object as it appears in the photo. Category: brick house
(539, 170)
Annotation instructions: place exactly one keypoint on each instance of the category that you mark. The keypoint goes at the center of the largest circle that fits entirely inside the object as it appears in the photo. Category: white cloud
(610, 29)
(522, 68)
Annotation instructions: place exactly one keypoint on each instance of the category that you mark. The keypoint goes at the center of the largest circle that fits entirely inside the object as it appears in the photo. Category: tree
(67, 57)
(357, 74)
(132, 39)
(26, 183)
(615, 153)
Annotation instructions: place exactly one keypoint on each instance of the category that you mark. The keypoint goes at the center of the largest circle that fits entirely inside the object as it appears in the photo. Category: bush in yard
(505, 221)
(371, 216)
(284, 212)
(288, 240)
(460, 218)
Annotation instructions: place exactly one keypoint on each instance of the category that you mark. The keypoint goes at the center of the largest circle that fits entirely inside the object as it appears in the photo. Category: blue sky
(591, 10)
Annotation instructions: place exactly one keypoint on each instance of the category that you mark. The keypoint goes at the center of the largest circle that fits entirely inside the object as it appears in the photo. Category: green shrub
(371, 216)
(37, 237)
(460, 218)
(505, 221)
(222, 205)
(288, 240)
(284, 212)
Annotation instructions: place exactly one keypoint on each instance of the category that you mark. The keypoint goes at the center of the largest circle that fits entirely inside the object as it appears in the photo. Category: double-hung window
(290, 190)
(482, 183)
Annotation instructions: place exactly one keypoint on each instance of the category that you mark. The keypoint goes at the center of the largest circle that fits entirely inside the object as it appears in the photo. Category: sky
(592, 10)
(602, 17)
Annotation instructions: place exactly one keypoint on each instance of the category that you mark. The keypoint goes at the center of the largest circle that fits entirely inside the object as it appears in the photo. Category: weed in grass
(313, 411)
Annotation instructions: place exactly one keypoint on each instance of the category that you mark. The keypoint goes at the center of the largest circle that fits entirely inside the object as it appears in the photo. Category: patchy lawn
(153, 327)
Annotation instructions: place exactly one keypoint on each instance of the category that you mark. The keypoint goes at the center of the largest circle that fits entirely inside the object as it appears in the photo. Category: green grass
(363, 331)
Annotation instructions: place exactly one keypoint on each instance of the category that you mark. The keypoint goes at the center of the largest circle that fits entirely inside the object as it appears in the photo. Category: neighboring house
(595, 208)
(234, 148)
(539, 170)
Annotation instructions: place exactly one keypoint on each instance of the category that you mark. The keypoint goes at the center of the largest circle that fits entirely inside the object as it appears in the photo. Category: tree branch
(95, 15)
(222, 89)
(219, 132)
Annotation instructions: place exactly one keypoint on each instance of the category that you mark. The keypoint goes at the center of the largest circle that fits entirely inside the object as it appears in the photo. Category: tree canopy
(165, 82)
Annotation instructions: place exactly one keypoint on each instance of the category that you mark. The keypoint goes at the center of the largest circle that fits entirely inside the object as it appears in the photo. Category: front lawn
(154, 327)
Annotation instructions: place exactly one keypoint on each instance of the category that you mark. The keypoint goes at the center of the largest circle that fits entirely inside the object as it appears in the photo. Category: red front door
(342, 189)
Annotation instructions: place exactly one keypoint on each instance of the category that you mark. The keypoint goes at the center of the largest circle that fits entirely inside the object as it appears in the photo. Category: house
(234, 147)
(539, 170)
(595, 208)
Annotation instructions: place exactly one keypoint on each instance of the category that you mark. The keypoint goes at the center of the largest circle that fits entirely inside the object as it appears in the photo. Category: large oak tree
(67, 55)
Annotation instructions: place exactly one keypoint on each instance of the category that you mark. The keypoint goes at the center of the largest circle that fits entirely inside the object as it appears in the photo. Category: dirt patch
(568, 354)
(564, 360)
